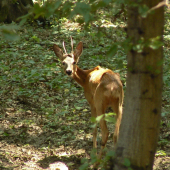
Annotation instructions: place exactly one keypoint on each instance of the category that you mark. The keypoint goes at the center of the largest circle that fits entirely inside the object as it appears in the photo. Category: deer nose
(69, 72)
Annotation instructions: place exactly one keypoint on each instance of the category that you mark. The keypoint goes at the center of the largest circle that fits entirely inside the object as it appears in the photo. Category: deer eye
(74, 62)
(64, 63)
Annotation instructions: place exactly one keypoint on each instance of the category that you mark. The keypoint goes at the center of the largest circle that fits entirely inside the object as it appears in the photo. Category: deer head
(69, 60)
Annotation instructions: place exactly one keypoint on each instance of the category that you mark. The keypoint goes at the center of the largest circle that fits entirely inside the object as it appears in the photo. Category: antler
(64, 47)
(71, 44)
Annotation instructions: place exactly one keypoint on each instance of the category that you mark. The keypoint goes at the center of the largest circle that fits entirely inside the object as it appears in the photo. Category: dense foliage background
(32, 83)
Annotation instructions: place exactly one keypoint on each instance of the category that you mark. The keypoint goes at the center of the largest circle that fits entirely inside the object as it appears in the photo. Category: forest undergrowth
(45, 121)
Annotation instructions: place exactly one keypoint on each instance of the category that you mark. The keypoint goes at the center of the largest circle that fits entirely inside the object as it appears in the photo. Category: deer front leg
(101, 105)
(105, 134)
(93, 114)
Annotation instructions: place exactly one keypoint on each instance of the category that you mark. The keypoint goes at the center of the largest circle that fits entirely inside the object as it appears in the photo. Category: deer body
(102, 89)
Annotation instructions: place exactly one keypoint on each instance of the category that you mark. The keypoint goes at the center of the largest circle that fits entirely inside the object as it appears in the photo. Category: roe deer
(102, 89)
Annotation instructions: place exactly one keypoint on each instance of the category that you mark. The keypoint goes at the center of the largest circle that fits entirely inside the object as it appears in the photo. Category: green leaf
(98, 118)
(93, 119)
(83, 9)
(9, 32)
(160, 153)
(112, 50)
(110, 119)
(155, 43)
(127, 162)
(6, 134)
(110, 114)
(107, 1)
(78, 108)
(143, 10)
(111, 153)
(84, 166)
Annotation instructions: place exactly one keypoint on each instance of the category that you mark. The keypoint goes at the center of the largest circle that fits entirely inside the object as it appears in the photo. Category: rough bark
(10, 10)
(139, 129)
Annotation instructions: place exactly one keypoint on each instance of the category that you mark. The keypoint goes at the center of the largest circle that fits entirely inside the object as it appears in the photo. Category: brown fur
(102, 89)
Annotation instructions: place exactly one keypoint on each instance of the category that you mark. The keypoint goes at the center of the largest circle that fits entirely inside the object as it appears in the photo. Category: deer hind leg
(118, 110)
(93, 113)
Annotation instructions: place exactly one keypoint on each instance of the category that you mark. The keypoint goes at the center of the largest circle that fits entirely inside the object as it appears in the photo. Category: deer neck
(82, 76)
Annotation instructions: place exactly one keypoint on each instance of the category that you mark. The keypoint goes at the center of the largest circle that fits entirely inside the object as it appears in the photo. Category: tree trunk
(139, 130)
(10, 10)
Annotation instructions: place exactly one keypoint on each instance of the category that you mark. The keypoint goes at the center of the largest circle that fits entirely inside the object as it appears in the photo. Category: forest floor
(25, 145)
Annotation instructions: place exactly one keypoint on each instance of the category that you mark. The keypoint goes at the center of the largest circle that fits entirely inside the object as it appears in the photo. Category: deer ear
(58, 52)
(78, 51)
